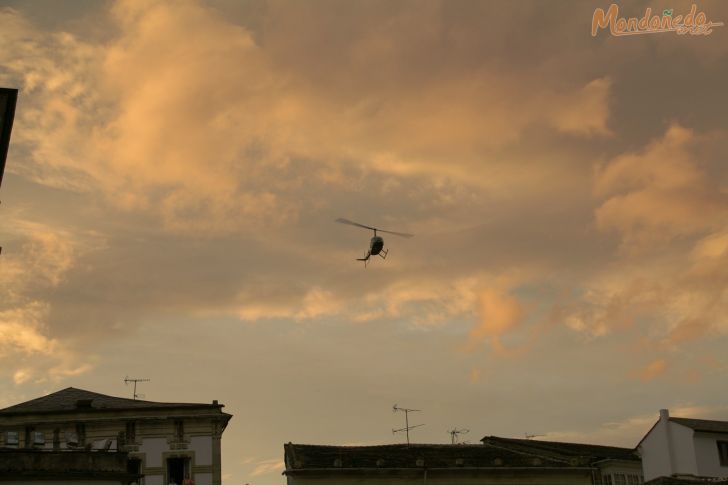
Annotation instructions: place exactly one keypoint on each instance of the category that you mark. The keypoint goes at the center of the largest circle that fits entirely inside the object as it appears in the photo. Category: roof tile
(703, 424)
(72, 399)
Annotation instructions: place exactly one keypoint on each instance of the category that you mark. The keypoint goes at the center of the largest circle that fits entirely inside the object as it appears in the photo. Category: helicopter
(376, 244)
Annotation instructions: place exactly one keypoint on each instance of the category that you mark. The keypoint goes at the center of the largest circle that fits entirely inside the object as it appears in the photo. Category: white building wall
(153, 447)
(202, 446)
(203, 478)
(683, 450)
(153, 480)
(706, 454)
(656, 453)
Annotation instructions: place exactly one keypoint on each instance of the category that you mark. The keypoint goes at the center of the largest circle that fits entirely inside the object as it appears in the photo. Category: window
(12, 439)
(71, 439)
(723, 452)
(38, 438)
(177, 468)
(607, 479)
(131, 432)
(81, 433)
(134, 466)
(620, 479)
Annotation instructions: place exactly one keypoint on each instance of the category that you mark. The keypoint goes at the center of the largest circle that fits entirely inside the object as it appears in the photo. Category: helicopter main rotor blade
(401, 234)
(352, 223)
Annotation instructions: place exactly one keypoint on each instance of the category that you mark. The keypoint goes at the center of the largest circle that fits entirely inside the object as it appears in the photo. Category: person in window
(188, 480)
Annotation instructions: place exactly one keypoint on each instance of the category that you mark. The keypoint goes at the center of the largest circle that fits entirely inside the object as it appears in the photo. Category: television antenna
(531, 436)
(455, 432)
(128, 379)
(407, 427)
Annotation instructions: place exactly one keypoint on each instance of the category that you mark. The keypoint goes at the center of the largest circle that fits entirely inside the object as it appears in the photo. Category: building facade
(492, 463)
(25, 466)
(685, 447)
(610, 465)
(164, 441)
(8, 99)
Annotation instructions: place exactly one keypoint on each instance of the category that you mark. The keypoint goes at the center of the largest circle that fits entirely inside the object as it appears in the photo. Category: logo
(694, 22)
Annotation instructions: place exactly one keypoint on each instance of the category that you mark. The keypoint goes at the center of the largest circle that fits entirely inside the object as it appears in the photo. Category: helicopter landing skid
(365, 258)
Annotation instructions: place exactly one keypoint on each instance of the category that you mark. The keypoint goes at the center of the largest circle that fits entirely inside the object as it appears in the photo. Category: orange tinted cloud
(687, 331)
(27, 350)
(499, 313)
(651, 371)
(186, 115)
(658, 193)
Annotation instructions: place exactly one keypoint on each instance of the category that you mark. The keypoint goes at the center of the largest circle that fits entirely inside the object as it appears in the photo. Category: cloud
(651, 371)
(587, 112)
(314, 303)
(659, 193)
(666, 206)
(268, 466)
(19, 331)
(27, 351)
(500, 313)
(208, 144)
(245, 135)
(28, 354)
(47, 254)
(627, 432)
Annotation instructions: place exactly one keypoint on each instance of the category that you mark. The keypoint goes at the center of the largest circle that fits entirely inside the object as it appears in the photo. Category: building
(24, 466)
(164, 441)
(683, 447)
(434, 464)
(8, 99)
(686, 481)
(611, 465)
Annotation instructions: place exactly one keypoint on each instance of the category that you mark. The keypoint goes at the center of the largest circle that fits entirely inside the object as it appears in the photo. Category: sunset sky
(176, 168)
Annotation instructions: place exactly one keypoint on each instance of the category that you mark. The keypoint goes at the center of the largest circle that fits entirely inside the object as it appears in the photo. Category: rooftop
(703, 424)
(402, 456)
(72, 399)
(583, 453)
(686, 481)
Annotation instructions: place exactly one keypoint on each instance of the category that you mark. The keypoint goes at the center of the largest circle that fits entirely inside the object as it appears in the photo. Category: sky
(176, 168)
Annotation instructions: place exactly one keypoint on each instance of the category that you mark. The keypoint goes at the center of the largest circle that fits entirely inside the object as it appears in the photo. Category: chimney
(664, 414)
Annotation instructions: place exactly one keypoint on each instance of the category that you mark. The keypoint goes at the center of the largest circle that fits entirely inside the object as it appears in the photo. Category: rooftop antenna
(455, 432)
(407, 427)
(531, 436)
(128, 379)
